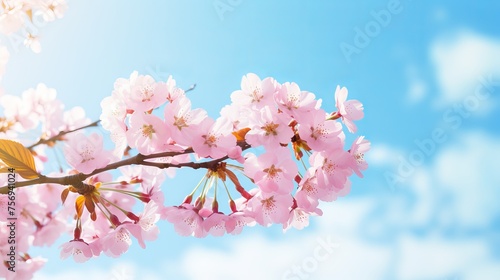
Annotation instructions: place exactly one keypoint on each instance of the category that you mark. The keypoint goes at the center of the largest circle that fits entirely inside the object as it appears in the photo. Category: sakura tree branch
(138, 159)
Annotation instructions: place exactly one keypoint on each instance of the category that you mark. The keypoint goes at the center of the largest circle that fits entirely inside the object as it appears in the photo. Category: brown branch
(59, 135)
(138, 159)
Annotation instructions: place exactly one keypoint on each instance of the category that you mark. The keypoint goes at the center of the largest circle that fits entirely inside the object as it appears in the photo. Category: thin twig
(60, 134)
(193, 86)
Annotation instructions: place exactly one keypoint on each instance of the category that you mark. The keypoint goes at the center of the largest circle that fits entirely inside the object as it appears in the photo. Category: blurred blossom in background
(427, 72)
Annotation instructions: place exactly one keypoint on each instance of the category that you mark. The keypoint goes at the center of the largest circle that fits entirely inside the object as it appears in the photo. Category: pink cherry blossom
(238, 116)
(350, 110)
(266, 186)
(154, 192)
(182, 121)
(186, 220)
(298, 218)
(45, 198)
(147, 133)
(235, 153)
(33, 42)
(255, 93)
(269, 129)
(173, 92)
(119, 138)
(78, 249)
(112, 118)
(49, 232)
(269, 208)
(304, 207)
(116, 242)
(359, 147)
(236, 221)
(306, 202)
(52, 9)
(19, 111)
(25, 268)
(145, 94)
(214, 139)
(145, 228)
(49, 110)
(308, 186)
(215, 224)
(321, 134)
(113, 113)
(11, 17)
(273, 171)
(332, 169)
(294, 102)
(85, 153)
(4, 202)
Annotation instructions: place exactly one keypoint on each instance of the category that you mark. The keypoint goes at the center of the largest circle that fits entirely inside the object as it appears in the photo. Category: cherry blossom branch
(60, 134)
(138, 159)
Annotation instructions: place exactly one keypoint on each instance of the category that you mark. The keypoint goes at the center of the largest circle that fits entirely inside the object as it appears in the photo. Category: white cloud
(468, 173)
(400, 235)
(487, 270)
(119, 271)
(397, 235)
(439, 258)
(94, 274)
(382, 155)
(257, 257)
(460, 60)
(457, 194)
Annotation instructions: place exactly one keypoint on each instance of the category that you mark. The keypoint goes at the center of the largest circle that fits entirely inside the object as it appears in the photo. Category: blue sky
(439, 221)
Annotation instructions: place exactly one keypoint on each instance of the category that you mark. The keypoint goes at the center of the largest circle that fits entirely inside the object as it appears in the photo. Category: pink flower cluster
(40, 222)
(282, 119)
(111, 230)
(127, 115)
(38, 108)
(273, 153)
(27, 16)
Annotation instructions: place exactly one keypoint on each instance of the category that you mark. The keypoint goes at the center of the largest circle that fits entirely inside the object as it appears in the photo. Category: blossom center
(256, 96)
(87, 153)
(329, 167)
(270, 128)
(268, 203)
(317, 132)
(180, 122)
(359, 157)
(147, 93)
(210, 140)
(272, 171)
(148, 130)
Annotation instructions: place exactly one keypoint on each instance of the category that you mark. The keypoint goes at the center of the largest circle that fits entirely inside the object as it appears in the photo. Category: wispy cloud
(461, 60)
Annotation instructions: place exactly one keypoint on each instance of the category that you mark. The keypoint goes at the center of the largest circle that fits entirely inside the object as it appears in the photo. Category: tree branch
(138, 159)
